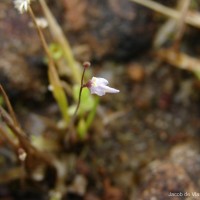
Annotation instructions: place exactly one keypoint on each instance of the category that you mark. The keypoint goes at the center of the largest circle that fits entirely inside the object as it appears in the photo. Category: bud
(86, 64)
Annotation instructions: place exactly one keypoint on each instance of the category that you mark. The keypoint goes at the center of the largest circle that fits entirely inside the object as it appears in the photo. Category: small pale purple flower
(99, 86)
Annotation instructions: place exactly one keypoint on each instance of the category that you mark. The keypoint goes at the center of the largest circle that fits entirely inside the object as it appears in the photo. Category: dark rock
(20, 79)
(120, 29)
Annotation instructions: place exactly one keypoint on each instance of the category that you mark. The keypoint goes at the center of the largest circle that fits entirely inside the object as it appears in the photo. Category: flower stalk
(96, 86)
(54, 80)
(85, 66)
(60, 38)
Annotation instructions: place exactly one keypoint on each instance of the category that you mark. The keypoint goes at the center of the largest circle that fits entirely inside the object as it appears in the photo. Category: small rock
(188, 156)
(79, 185)
(20, 79)
(105, 28)
(136, 72)
(162, 178)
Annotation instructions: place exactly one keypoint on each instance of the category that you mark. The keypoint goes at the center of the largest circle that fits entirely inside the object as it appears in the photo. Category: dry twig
(8, 104)
(192, 18)
(11, 121)
(178, 59)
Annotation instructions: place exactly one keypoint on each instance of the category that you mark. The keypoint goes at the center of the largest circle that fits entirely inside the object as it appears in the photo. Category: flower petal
(110, 89)
(97, 90)
(99, 86)
(100, 81)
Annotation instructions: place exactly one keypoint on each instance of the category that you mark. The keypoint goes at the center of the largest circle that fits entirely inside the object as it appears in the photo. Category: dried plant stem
(9, 106)
(45, 46)
(24, 144)
(52, 73)
(17, 131)
(183, 7)
(191, 18)
(172, 25)
(59, 37)
(4, 133)
(80, 92)
(178, 59)
(21, 136)
(15, 147)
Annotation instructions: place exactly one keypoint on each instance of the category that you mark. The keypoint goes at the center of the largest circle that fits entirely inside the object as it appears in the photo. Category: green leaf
(62, 102)
(56, 51)
(1, 100)
(58, 92)
(81, 129)
(197, 74)
(84, 125)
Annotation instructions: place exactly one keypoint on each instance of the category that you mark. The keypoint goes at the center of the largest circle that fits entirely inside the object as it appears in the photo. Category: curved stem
(79, 96)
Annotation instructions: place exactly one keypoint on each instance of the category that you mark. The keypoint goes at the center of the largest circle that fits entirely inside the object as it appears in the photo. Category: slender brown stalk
(192, 18)
(82, 85)
(16, 148)
(71, 124)
(85, 66)
(52, 67)
(4, 133)
(80, 92)
(41, 36)
(60, 38)
(24, 144)
(183, 6)
(21, 136)
(9, 106)
(16, 130)
(53, 76)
